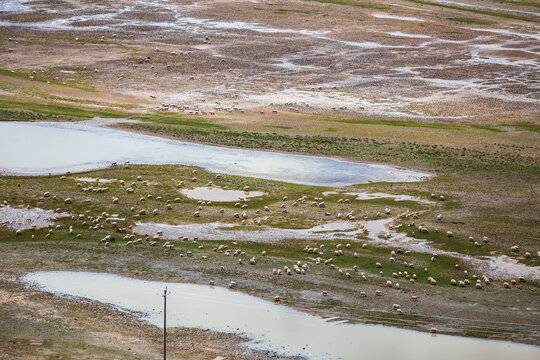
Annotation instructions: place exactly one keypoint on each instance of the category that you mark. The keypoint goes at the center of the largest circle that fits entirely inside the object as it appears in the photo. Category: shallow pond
(393, 17)
(47, 147)
(269, 326)
(217, 194)
(24, 219)
(374, 196)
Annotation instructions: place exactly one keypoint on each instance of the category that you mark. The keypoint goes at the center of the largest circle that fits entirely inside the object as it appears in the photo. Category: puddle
(535, 36)
(13, 5)
(270, 327)
(223, 231)
(40, 148)
(25, 219)
(415, 36)
(502, 267)
(404, 18)
(373, 196)
(87, 179)
(217, 194)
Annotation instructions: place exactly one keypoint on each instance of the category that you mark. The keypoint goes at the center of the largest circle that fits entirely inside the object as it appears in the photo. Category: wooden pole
(165, 324)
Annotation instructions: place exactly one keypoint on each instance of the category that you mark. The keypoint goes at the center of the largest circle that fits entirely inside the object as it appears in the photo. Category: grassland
(467, 20)
(63, 250)
(485, 164)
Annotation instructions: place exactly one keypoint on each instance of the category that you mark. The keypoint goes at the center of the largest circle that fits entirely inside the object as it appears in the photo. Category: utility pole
(165, 324)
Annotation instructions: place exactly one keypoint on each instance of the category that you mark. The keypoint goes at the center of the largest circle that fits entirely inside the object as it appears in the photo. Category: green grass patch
(468, 20)
(22, 110)
(400, 123)
(39, 77)
(526, 126)
(175, 119)
(286, 11)
(522, 3)
(486, 127)
(365, 5)
(476, 11)
(279, 127)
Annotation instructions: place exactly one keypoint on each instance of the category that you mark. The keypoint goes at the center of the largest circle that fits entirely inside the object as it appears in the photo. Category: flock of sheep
(316, 253)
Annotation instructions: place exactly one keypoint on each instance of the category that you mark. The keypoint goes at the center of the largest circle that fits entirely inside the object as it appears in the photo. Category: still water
(41, 148)
(277, 328)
